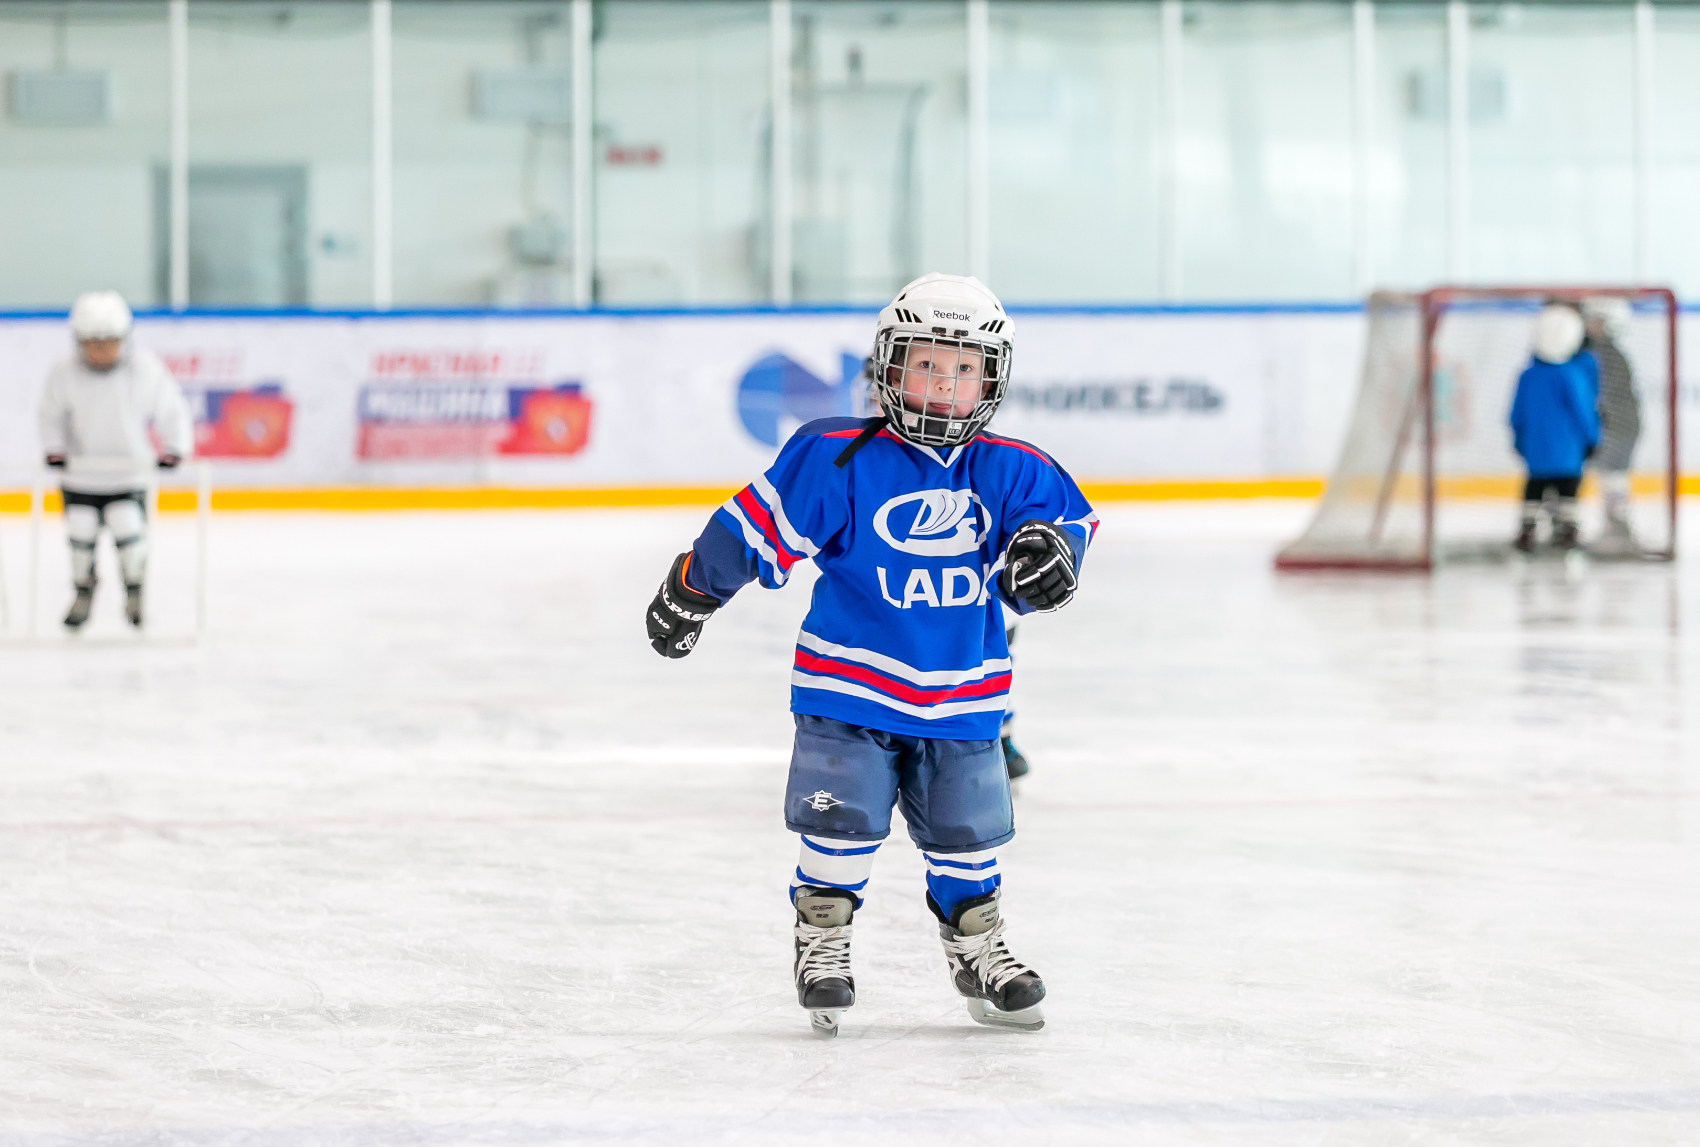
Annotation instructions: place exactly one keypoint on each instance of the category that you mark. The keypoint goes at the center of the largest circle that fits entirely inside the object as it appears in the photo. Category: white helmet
(100, 315)
(953, 312)
(1558, 333)
(1610, 313)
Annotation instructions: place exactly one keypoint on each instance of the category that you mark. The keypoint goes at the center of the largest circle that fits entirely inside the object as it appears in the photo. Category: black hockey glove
(1039, 566)
(675, 617)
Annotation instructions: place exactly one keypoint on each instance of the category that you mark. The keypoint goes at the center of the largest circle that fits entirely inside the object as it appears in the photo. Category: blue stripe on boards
(1299, 307)
(1312, 307)
(857, 851)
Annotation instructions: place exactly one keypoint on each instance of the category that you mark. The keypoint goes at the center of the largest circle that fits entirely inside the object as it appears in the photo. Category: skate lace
(987, 956)
(825, 953)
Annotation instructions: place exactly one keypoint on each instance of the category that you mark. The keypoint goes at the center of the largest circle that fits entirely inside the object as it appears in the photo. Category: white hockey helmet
(1609, 313)
(955, 312)
(100, 315)
(1558, 333)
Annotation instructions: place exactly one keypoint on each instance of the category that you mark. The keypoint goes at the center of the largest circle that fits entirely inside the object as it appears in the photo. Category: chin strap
(869, 432)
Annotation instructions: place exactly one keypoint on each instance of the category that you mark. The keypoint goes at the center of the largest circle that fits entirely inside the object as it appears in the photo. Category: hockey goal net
(1428, 474)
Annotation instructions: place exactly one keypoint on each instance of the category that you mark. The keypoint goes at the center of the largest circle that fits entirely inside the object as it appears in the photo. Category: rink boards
(357, 410)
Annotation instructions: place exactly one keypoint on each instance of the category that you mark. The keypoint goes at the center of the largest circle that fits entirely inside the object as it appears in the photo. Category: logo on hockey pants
(823, 800)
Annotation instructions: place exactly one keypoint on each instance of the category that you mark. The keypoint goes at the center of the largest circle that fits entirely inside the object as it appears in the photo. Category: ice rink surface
(423, 845)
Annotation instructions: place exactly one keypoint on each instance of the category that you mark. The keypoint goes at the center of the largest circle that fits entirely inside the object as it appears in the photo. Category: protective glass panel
(682, 152)
(880, 151)
(483, 153)
(1551, 159)
(280, 154)
(1266, 151)
(87, 121)
(1074, 92)
(1675, 253)
(1407, 166)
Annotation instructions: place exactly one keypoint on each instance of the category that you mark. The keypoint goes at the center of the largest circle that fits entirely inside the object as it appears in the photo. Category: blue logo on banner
(778, 394)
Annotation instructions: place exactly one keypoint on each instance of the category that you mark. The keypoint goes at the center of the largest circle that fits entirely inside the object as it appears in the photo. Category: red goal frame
(1433, 305)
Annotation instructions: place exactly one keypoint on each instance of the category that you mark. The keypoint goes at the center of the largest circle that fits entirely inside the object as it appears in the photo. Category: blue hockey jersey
(1555, 416)
(903, 633)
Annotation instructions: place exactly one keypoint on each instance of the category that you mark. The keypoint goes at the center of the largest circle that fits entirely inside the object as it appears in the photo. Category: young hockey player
(917, 519)
(95, 413)
(1554, 422)
(1607, 321)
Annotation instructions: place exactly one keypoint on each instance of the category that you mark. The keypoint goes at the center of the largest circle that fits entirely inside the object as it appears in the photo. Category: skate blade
(824, 1023)
(1027, 1019)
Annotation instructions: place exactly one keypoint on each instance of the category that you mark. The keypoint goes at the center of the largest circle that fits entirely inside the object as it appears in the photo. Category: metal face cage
(931, 370)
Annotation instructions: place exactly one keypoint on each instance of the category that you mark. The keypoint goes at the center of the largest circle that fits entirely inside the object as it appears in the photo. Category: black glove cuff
(681, 600)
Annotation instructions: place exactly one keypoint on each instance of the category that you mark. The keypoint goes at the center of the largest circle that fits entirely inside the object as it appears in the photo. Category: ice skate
(1616, 541)
(133, 604)
(1564, 536)
(80, 607)
(824, 983)
(1525, 543)
(1001, 991)
(1013, 759)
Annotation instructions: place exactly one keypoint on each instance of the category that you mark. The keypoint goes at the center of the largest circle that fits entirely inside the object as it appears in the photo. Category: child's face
(943, 381)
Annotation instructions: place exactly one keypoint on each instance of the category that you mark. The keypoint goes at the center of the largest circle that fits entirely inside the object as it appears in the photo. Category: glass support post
(1643, 141)
(177, 265)
(1457, 140)
(583, 135)
(1363, 141)
(779, 255)
(383, 159)
(979, 127)
(1169, 137)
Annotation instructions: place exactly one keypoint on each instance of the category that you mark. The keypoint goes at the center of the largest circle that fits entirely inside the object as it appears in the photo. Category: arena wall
(480, 408)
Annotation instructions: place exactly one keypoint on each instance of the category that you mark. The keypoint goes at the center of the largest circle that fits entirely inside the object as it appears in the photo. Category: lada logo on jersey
(940, 524)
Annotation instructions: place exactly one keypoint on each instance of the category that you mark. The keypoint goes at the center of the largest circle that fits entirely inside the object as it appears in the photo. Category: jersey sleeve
(170, 413)
(785, 516)
(1519, 415)
(52, 414)
(1045, 491)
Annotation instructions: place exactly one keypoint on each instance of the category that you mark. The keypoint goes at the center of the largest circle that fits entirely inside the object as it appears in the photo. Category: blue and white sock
(826, 863)
(957, 876)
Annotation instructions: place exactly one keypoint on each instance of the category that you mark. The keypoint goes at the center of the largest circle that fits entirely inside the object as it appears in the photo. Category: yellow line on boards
(380, 498)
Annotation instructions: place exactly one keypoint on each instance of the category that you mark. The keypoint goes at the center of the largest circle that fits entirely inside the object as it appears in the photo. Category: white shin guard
(826, 863)
(82, 527)
(1614, 491)
(129, 527)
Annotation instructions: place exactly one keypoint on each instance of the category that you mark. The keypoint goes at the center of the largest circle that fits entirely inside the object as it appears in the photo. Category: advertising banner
(612, 400)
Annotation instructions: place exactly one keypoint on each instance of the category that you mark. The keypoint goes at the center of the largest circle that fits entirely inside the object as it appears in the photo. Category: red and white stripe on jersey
(1086, 527)
(925, 693)
(760, 515)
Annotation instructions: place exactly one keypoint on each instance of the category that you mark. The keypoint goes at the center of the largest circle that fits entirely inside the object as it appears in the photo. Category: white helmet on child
(100, 315)
(1610, 313)
(1558, 333)
(956, 312)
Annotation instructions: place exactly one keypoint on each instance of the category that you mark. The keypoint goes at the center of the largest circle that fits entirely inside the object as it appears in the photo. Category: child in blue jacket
(1555, 423)
(921, 523)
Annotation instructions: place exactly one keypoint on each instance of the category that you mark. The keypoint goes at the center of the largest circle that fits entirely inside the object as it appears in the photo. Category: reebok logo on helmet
(954, 315)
